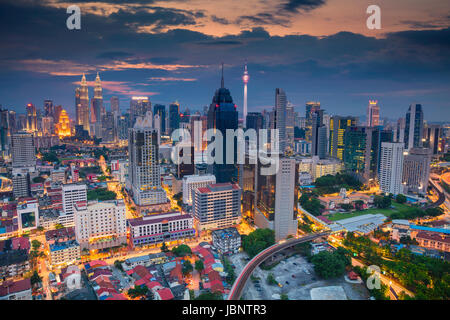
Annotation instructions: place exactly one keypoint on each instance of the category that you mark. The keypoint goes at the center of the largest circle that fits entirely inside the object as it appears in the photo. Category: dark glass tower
(223, 115)
(160, 109)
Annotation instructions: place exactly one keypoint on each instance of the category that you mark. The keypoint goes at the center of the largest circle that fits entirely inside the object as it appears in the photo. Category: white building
(100, 225)
(217, 206)
(320, 167)
(391, 167)
(28, 215)
(285, 220)
(226, 240)
(192, 182)
(71, 194)
(163, 227)
(416, 170)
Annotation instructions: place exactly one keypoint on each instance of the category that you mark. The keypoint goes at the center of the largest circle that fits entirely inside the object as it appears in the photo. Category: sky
(316, 50)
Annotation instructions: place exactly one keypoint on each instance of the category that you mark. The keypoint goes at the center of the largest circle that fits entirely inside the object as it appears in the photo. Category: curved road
(239, 284)
(440, 192)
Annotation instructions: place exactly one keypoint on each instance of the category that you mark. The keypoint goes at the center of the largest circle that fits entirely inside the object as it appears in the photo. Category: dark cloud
(114, 55)
(294, 6)
(220, 20)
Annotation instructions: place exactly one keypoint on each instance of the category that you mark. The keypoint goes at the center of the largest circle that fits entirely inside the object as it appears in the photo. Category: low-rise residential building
(433, 240)
(14, 257)
(16, 290)
(64, 253)
(157, 228)
(226, 240)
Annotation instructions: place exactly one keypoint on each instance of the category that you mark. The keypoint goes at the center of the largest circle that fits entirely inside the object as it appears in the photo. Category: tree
(187, 267)
(284, 296)
(35, 244)
(59, 226)
(35, 278)
(210, 296)
(359, 205)
(138, 291)
(400, 198)
(199, 266)
(164, 247)
(382, 202)
(182, 250)
(346, 206)
(38, 179)
(330, 265)
(257, 241)
(118, 265)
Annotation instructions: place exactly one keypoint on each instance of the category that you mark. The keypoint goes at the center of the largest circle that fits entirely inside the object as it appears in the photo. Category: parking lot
(296, 278)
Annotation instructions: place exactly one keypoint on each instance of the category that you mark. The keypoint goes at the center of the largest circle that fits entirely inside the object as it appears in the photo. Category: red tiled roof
(154, 284)
(117, 296)
(433, 236)
(9, 287)
(165, 294)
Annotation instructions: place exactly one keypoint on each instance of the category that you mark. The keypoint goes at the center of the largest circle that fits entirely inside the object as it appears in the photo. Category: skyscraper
(115, 108)
(138, 108)
(223, 115)
(245, 78)
(280, 118)
(290, 123)
(373, 114)
(144, 173)
(160, 109)
(338, 125)
(319, 139)
(31, 118)
(23, 151)
(414, 127)
(97, 110)
(433, 138)
(311, 108)
(391, 167)
(81, 104)
(48, 108)
(174, 117)
(277, 198)
(416, 170)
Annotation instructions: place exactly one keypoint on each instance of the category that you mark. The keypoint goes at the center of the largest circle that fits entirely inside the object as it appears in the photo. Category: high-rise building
(47, 126)
(190, 183)
(311, 108)
(290, 124)
(4, 132)
(277, 198)
(414, 127)
(115, 107)
(223, 115)
(399, 131)
(373, 114)
(280, 118)
(319, 139)
(31, 118)
(338, 125)
(433, 138)
(21, 184)
(174, 117)
(100, 225)
(48, 108)
(71, 194)
(245, 78)
(144, 172)
(416, 170)
(217, 206)
(391, 167)
(255, 121)
(109, 132)
(160, 110)
(97, 109)
(82, 104)
(138, 108)
(23, 152)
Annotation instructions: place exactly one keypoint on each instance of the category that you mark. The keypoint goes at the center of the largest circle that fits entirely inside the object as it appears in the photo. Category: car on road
(287, 282)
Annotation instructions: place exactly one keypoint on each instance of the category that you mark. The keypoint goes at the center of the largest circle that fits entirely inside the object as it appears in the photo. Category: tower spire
(222, 85)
